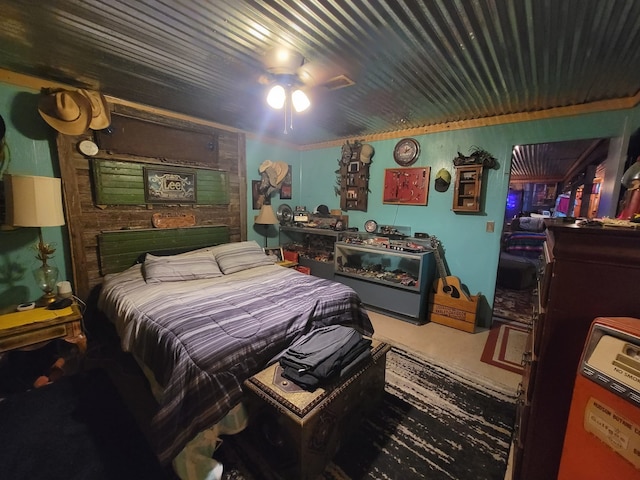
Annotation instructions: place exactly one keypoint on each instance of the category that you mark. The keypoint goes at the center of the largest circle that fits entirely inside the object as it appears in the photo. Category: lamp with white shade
(34, 201)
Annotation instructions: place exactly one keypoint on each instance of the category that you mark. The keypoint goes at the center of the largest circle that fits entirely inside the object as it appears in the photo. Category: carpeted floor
(75, 429)
(435, 422)
(514, 305)
(505, 345)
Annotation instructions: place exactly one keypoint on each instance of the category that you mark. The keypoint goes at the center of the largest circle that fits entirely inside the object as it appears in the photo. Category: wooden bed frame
(120, 249)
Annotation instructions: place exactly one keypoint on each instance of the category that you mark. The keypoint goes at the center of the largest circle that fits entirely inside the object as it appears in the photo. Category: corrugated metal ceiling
(415, 63)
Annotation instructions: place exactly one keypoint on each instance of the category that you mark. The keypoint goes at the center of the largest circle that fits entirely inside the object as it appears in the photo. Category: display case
(392, 276)
(314, 247)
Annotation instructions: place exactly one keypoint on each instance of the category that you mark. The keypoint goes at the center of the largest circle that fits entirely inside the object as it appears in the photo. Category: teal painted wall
(471, 253)
(31, 148)
(257, 152)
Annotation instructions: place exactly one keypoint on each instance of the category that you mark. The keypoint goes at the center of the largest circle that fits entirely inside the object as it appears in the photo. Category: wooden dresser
(588, 272)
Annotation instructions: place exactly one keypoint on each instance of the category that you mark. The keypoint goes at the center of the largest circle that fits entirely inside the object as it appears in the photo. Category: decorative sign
(169, 186)
(406, 186)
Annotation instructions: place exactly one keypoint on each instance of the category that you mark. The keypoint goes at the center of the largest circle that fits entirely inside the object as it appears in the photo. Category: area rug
(435, 422)
(514, 305)
(505, 345)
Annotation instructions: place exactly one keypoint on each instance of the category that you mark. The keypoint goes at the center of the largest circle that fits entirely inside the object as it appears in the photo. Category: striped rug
(435, 422)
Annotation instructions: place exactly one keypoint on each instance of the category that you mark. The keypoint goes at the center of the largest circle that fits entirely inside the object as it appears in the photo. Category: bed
(202, 322)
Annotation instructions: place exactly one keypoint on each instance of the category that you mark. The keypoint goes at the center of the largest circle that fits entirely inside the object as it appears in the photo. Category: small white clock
(87, 147)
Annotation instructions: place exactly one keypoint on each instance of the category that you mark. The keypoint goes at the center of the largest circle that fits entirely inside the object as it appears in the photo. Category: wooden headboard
(119, 249)
(142, 138)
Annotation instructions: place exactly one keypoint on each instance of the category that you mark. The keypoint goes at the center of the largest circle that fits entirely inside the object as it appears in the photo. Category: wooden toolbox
(459, 313)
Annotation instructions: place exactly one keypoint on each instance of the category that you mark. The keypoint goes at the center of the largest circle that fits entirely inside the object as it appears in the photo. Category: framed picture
(257, 198)
(165, 185)
(406, 186)
(276, 251)
(285, 187)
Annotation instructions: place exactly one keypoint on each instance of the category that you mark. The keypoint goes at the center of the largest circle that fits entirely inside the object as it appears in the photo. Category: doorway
(546, 180)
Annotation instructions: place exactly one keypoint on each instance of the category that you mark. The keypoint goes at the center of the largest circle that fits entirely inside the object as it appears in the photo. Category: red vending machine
(603, 433)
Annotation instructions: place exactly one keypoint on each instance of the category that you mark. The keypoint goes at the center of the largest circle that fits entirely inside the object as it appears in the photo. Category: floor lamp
(37, 202)
(266, 217)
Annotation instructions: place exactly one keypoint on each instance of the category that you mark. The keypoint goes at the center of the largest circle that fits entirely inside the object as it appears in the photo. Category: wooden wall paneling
(145, 138)
(86, 219)
(240, 208)
(73, 212)
(120, 249)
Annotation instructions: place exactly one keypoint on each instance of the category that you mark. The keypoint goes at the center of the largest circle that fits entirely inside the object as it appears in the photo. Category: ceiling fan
(291, 77)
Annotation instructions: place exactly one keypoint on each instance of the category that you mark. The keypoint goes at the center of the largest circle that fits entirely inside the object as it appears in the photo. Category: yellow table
(31, 328)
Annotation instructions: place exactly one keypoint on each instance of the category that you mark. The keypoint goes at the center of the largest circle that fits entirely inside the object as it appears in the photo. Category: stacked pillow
(208, 262)
(234, 257)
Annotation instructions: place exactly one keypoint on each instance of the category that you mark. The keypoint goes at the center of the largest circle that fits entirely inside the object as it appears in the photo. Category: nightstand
(21, 330)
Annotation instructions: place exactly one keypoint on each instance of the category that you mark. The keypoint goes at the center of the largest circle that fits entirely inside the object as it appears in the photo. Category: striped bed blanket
(202, 339)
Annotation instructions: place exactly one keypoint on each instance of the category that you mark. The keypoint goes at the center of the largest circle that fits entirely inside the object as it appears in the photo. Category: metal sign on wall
(164, 185)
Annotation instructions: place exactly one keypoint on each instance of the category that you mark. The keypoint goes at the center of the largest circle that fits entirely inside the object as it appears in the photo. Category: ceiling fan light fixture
(276, 97)
(300, 101)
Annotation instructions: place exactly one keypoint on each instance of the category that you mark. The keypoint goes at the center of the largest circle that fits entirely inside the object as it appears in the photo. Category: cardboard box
(458, 313)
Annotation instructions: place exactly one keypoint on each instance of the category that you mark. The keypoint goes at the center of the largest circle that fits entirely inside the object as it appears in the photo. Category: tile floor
(447, 344)
(436, 341)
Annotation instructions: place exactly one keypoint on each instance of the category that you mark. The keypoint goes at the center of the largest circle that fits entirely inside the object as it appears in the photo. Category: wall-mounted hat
(264, 165)
(3, 128)
(366, 152)
(322, 210)
(66, 111)
(275, 171)
(443, 180)
(282, 168)
(100, 114)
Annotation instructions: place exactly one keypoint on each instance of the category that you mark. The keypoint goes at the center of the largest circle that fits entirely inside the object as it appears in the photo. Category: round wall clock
(87, 147)
(370, 226)
(406, 152)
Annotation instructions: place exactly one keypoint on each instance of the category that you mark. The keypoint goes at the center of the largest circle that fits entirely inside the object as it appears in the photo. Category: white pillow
(237, 256)
(175, 268)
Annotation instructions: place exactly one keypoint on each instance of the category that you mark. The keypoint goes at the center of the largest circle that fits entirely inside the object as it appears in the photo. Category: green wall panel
(122, 183)
(121, 249)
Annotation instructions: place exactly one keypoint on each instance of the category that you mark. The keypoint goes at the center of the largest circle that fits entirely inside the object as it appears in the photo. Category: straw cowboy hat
(281, 171)
(366, 153)
(67, 111)
(100, 114)
(275, 171)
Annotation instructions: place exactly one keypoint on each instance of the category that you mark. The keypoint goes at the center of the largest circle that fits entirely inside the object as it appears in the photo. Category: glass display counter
(393, 276)
(314, 247)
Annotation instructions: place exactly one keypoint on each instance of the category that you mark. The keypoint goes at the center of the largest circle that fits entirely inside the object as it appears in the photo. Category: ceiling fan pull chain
(285, 118)
(290, 114)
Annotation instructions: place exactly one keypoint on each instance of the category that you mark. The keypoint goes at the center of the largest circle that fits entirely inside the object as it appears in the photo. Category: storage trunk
(298, 432)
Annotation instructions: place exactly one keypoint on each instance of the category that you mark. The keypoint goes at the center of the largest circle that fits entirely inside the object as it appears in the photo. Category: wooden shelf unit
(467, 188)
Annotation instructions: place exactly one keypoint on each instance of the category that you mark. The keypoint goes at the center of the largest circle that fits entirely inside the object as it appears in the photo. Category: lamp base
(46, 299)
